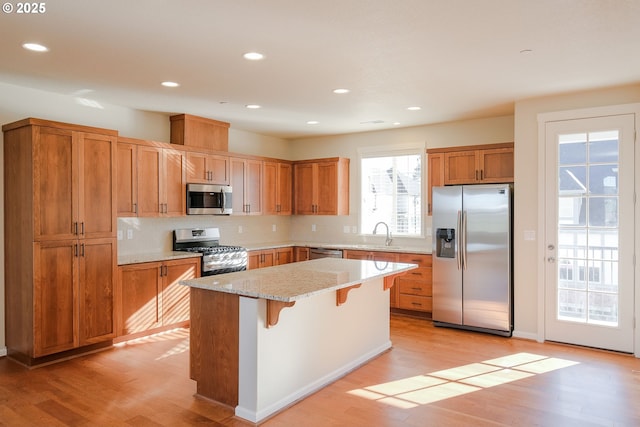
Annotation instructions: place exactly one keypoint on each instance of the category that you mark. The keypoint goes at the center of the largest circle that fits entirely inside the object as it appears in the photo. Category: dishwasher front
(315, 253)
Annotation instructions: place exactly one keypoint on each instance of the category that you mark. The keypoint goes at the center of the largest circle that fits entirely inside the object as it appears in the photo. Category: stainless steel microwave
(208, 199)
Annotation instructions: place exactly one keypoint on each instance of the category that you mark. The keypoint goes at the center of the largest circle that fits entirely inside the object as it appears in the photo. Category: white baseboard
(3, 351)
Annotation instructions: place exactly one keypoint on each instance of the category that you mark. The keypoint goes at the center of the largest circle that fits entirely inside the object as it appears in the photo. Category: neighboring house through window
(391, 182)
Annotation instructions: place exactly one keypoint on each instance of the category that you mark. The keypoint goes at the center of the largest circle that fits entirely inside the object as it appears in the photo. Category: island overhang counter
(262, 339)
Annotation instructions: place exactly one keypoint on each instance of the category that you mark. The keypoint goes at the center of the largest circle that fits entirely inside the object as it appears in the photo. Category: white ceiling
(457, 59)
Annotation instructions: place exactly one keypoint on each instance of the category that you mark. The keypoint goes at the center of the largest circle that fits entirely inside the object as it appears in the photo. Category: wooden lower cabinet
(414, 289)
(269, 257)
(150, 297)
(301, 253)
(409, 291)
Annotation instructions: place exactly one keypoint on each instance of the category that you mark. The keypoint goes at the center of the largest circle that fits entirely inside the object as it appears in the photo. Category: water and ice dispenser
(446, 242)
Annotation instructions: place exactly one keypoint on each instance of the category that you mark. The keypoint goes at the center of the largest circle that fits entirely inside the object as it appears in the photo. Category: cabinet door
(55, 297)
(460, 167)
(435, 178)
(304, 192)
(268, 258)
(139, 298)
(302, 254)
(197, 170)
(270, 185)
(253, 187)
(237, 167)
(174, 183)
(127, 180)
(496, 165)
(97, 185)
(55, 203)
(253, 259)
(283, 256)
(327, 188)
(285, 175)
(149, 181)
(218, 167)
(97, 272)
(175, 297)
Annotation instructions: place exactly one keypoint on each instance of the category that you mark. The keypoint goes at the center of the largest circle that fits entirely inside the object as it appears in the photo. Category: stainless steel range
(216, 258)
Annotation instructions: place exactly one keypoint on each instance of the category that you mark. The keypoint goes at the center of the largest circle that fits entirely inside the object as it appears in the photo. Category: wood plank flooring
(431, 377)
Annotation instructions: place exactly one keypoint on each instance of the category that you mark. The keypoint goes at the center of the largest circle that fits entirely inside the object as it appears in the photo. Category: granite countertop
(345, 246)
(291, 282)
(155, 256)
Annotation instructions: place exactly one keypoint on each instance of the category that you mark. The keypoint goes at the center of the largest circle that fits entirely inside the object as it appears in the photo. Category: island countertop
(291, 282)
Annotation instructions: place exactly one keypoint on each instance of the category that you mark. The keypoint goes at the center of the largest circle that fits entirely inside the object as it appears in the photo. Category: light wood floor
(431, 377)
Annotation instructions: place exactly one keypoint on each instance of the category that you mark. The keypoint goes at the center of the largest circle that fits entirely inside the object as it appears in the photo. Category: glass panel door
(589, 279)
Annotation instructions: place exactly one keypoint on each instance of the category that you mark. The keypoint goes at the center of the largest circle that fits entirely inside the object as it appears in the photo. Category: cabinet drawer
(414, 287)
(420, 273)
(415, 302)
(423, 260)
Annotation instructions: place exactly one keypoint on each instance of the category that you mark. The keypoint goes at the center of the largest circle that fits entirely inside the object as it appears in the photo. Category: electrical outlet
(129, 234)
(345, 229)
(354, 229)
(273, 228)
(240, 229)
(313, 227)
(120, 235)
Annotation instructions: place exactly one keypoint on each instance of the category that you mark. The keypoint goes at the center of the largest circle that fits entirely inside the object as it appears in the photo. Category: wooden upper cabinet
(435, 171)
(174, 191)
(199, 132)
(246, 181)
(151, 179)
(127, 179)
(276, 183)
(490, 164)
(74, 187)
(321, 187)
(479, 164)
(206, 168)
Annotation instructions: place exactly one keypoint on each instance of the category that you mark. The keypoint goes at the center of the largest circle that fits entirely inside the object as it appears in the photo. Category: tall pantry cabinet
(60, 245)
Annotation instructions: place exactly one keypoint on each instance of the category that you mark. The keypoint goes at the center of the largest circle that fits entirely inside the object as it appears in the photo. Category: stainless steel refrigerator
(472, 257)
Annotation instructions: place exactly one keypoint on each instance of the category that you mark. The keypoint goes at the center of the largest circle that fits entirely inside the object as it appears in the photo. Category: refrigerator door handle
(463, 237)
(459, 251)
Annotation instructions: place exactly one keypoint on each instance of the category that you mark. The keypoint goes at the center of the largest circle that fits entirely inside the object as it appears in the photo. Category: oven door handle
(224, 200)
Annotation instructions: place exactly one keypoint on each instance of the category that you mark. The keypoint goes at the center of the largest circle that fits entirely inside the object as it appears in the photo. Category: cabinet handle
(476, 174)
(75, 250)
(82, 250)
(416, 289)
(417, 304)
(82, 228)
(416, 273)
(75, 228)
(481, 174)
(135, 208)
(166, 270)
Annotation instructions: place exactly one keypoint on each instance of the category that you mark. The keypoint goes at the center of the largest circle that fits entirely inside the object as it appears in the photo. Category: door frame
(586, 113)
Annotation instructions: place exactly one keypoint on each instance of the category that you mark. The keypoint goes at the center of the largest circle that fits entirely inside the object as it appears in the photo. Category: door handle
(551, 259)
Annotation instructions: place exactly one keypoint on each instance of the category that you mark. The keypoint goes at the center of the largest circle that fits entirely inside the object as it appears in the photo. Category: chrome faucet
(388, 240)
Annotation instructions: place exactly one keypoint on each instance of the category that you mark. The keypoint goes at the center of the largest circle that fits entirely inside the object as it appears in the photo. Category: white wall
(331, 229)
(526, 257)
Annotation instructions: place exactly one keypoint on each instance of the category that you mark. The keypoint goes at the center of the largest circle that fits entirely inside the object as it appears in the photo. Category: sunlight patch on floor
(410, 392)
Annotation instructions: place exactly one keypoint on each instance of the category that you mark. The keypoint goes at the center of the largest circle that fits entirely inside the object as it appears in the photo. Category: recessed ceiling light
(340, 91)
(396, 123)
(36, 47)
(253, 106)
(414, 108)
(313, 122)
(253, 56)
(170, 84)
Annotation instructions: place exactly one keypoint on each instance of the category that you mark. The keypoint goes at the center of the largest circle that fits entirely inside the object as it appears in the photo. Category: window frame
(418, 148)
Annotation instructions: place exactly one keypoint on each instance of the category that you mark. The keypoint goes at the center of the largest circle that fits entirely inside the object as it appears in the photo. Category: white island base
(239, 361)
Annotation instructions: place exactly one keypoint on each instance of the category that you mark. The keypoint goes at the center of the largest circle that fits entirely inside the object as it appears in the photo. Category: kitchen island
(263, 339)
